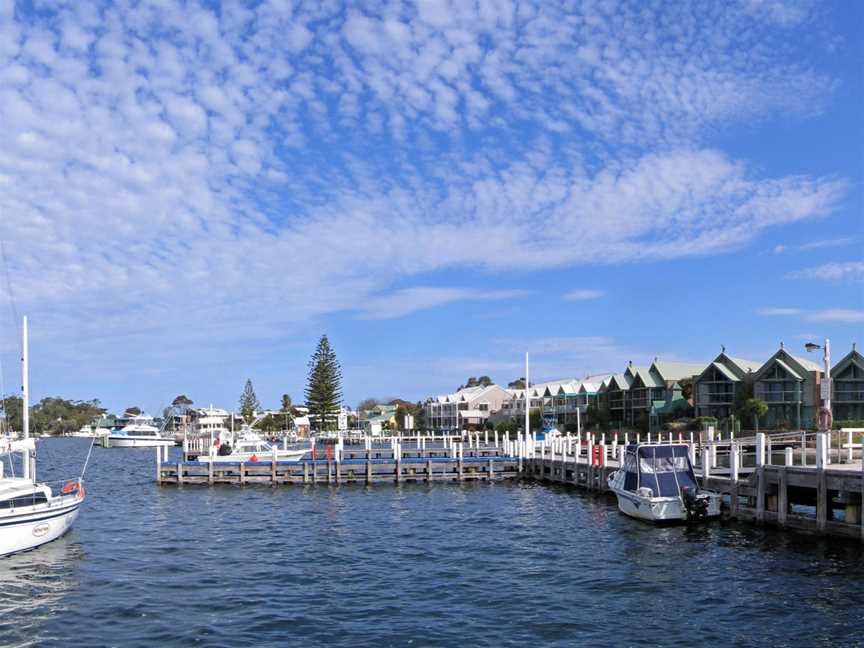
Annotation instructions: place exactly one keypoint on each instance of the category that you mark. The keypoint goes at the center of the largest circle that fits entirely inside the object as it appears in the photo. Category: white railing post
(849, 446)
(821, 451)
(760, 449)
(733, 462)
(789, 452)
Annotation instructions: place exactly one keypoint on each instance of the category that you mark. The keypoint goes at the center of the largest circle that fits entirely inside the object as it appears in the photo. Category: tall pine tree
(324, 387)
(248, 403)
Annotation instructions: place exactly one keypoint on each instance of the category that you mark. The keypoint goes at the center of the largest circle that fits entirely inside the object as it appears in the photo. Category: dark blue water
(410, 565)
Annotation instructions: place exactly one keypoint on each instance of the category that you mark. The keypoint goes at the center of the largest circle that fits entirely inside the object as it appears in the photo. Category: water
(409, 565)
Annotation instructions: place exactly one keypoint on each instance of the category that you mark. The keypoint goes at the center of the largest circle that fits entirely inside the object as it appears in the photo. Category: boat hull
(247, 456)
(660, 509)
(138, 442)
(20, 532)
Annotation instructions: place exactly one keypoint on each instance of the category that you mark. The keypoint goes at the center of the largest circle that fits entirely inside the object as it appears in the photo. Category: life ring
(826, 419)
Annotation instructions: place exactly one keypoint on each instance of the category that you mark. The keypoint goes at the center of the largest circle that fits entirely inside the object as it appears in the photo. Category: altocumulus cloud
(157, 153)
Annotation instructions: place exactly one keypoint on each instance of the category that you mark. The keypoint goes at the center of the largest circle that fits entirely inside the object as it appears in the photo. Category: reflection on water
(35, 584)
(432, 565)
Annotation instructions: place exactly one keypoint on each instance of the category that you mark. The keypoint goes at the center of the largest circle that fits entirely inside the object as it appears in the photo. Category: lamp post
(825, 386)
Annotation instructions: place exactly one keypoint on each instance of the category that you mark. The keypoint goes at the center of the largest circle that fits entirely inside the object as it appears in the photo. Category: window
(24, 500)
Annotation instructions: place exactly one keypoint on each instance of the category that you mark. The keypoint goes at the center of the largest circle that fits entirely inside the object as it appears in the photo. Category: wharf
(825, 498)
(351, 465)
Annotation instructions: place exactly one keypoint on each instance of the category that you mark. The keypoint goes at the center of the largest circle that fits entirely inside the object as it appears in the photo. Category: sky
(191, 193)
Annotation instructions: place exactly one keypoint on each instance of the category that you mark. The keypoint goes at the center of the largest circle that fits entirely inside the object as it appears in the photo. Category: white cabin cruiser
(139, 432)
(656, 483)
(31, 513)
(247, 445)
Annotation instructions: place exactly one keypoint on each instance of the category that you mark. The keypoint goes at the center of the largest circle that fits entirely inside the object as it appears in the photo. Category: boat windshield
(666, 469)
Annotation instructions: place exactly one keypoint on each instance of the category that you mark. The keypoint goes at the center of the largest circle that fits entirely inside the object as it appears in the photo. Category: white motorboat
(31, 513)
(247, 445)
(657, 483)
(85, 431)
(139, 432)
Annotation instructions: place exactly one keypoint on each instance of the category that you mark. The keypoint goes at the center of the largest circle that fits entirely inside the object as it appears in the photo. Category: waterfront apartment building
(645, 392)
(718, 389)
(847, 387)
(468, 407)
(789, 385)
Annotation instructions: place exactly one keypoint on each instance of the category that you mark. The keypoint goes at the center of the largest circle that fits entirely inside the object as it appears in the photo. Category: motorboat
(139, 432)
(247, 445)
(32, 513)
(657, 483)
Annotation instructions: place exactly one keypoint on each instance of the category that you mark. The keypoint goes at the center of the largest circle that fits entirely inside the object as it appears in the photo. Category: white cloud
(842, 315)
(410, 300)
(583, 295)
(838, 271)
(162, 156)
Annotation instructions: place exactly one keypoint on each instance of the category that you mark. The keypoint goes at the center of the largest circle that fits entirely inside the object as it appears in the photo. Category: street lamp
(825, 417)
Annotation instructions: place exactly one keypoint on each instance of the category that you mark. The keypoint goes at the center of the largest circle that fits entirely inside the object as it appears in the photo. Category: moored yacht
(31, 513)
(247, 445)
(139, 432)
(657, 483)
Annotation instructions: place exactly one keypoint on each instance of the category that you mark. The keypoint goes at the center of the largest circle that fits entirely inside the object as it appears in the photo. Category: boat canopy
(665, 469)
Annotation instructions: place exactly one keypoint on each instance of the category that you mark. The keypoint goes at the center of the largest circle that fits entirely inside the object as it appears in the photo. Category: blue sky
(191, 193)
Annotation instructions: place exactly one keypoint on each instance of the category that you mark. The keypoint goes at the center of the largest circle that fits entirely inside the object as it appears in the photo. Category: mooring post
(803, 449)
(734, 464)
(849, 447)
(821, 451)
(460, 462)
(782, 495)
(760, 476)
(158, 467)
(788, 457)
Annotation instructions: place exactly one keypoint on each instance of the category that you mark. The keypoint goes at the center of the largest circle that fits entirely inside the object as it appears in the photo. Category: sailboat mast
(527, 400)
(25, 397)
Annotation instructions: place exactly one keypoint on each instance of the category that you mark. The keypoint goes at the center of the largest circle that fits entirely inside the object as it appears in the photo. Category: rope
(87, 459)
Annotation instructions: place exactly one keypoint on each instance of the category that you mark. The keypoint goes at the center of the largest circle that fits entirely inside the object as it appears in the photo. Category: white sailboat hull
(139, 442)
(23, 531)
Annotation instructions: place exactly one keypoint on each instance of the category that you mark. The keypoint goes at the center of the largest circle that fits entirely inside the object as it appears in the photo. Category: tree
(287, 410)
(482, 381)
(248, 403)
(366, 404)
(756, 408)
(324, 386)
(133, 411)
(181, 401)
(519, 383)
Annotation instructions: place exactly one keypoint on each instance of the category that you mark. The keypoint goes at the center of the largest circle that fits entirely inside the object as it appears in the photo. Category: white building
(470, 406)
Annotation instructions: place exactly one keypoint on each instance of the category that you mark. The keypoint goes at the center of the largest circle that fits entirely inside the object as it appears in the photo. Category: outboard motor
(695, 504)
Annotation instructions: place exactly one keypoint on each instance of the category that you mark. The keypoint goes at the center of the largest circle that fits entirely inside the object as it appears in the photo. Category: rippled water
(437, 565)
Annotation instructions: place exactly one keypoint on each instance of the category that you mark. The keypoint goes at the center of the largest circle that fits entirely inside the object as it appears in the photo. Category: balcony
(848, 396)
(780, 396)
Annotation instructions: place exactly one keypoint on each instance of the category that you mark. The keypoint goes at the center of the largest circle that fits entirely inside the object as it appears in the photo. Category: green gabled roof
(788, 369)
(853, 357)
(745, 365)
(674, 371)
(726, 371)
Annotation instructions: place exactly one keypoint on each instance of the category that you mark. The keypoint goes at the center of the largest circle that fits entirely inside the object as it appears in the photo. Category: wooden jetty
(387, 460)
(811, 482)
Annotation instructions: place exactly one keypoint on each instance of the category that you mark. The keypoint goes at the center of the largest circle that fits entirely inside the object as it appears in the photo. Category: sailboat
(32, 513)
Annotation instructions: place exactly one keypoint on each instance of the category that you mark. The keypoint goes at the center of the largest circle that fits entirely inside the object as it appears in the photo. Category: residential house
(468, 407)
(721, 384)
(847, 379)
(789, 385)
